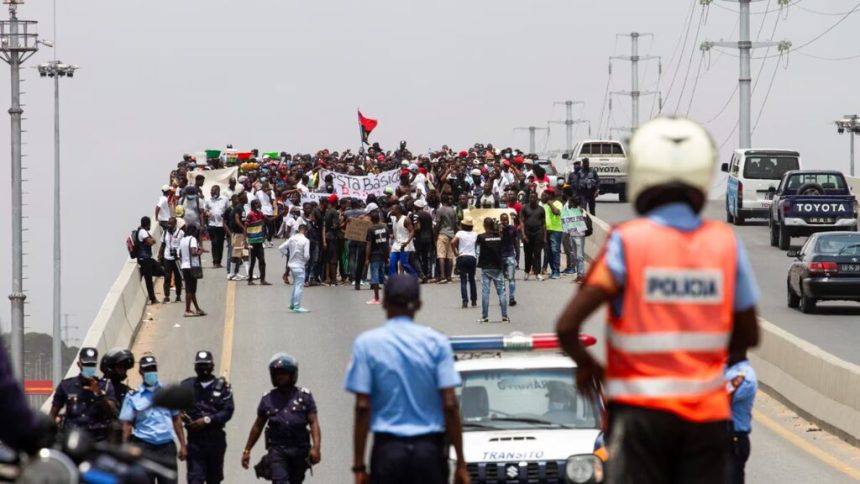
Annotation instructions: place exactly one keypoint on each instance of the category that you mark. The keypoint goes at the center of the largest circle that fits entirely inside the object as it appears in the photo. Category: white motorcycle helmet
(671, 153)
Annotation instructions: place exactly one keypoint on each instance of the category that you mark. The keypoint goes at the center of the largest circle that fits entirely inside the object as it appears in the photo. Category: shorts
(238, 245)
(443, 247)
(190, 282)
(377, 272)
(333, 248)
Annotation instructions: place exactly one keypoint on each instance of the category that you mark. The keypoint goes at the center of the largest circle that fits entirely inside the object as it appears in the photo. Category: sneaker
(512, 302)
(166, 300)
(373, 301)
(291, 307)
(539, 278)
(483, 320)
(231, 277)
(527, 277)
(465, 305)
(178, 299)
(474, 303)
(555, 275)
(239, 277)
(301, 310)
(506, 319)
(569, 272)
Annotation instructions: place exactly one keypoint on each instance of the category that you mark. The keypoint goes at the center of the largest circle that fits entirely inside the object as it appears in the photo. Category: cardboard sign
(356, 229)
(479, 214)
(573, 221)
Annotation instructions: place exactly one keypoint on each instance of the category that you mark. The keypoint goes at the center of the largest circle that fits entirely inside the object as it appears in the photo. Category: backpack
(132, 244)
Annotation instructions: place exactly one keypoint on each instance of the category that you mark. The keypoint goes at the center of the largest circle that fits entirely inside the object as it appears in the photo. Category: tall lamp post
(850, 123)
(55, 70)
(18, 42)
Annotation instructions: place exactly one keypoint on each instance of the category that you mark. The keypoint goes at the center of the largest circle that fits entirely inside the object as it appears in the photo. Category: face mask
(150, 378)
(88, 371)
(204, 374)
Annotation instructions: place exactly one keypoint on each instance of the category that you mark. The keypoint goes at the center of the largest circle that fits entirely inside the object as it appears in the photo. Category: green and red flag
(367, 125)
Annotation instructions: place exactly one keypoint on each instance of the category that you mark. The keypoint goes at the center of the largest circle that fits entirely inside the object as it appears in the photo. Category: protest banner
(362, 186)
(573, 221)
(479, 214)
(356, 229)
(213, 177)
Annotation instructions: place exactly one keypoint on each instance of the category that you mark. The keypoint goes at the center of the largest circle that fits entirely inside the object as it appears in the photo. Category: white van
(752, 173)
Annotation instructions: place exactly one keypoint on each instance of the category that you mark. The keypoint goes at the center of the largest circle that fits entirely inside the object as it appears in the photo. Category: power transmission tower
(634, 59)
(532, 130)
(745, 45)
(569, 122)
(18, 42)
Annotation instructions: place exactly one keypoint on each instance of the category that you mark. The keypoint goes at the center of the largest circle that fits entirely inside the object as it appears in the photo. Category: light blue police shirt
(744, 396)
(403, 366)
(681, 217)
(153, 425)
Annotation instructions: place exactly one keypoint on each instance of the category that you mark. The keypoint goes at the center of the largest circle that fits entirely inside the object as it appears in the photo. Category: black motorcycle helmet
(283, 363)
(116, 358)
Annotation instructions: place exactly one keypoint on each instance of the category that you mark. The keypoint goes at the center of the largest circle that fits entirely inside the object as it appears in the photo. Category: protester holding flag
(256, 234)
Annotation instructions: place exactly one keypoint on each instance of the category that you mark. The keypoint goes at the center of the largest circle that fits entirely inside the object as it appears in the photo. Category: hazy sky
(162, 78)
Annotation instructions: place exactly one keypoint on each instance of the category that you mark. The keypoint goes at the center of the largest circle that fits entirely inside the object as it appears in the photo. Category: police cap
(88, 356)
(204, 358)
(148, 361)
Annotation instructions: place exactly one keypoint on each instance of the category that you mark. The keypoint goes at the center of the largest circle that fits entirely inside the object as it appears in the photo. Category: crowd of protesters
(421, 226)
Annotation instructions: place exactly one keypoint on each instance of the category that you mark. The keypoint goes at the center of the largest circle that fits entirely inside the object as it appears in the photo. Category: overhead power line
(683, 46)
(766, 95)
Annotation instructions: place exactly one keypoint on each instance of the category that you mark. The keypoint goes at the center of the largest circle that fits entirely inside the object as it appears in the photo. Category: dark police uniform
(287, 432)
(206, 447)
(84, 410)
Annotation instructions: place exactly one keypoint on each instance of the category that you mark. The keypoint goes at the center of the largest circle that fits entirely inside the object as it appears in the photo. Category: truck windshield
(524, 398)
(769, 167)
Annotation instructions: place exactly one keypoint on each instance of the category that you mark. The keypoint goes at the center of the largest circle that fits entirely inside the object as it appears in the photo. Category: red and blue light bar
(513, 342)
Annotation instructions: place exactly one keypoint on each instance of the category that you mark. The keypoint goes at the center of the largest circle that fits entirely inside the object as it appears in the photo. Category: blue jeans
(579, 249)
(555, 251)
(403, 258)
(298, 286)
(511, 275)
(494, 275)
(377, 272)
(466, 265)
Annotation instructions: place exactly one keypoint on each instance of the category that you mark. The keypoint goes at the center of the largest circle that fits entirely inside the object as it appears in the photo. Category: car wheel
(784, 238)
(774, 234)
(622, 194)
(806, 303)
(792, 299)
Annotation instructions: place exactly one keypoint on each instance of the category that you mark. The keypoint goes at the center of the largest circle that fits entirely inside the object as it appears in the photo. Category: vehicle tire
(811, 189)
(784, 238)
(774, 234)
(792, 299)
(739, 218)
(806, 304)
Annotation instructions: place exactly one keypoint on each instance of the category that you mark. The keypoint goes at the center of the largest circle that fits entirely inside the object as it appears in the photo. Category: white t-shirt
(420, 184)
(163, 209)
(186, 259)
(171, 240)
(216, 207)
(466, 242)
(265, 203)
(299, 248)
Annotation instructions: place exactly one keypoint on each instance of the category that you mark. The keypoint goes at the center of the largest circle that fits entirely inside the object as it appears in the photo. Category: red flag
(367, 125)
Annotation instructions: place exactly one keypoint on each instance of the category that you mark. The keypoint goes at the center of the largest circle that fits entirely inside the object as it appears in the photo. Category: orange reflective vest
(667, 349)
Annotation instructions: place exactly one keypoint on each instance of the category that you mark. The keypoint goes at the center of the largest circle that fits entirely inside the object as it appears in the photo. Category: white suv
(523, 418)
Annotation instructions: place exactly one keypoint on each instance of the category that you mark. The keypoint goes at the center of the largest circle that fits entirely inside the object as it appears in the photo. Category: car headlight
(583, 468)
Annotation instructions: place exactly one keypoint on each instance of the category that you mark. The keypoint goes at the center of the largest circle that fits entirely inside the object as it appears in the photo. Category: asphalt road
(322, 340)
(835, 327)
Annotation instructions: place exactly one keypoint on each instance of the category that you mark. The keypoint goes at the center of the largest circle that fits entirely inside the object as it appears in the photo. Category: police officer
(681, 297)
(204, 423)
(149, 427)
(289, 414)
(114, 366)
(89, 401)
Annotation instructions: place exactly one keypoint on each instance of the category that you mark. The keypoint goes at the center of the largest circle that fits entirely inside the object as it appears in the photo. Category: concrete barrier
(818, 384)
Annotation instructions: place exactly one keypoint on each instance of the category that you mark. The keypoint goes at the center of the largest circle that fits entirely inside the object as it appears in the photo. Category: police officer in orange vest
(681, 296)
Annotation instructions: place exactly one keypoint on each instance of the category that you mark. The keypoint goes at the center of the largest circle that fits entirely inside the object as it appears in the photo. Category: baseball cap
(88, 356)
(371, 207)
(332, 198)
(402, 290)
(476, 172)
(165, 188)
(203, 357)
(147, 361)
(420, 203)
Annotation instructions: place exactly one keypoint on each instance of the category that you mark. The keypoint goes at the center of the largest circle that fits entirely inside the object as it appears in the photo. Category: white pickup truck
(609, 159)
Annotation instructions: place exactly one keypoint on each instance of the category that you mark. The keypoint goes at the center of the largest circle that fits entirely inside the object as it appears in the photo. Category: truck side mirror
(565, 156)
(724, 168)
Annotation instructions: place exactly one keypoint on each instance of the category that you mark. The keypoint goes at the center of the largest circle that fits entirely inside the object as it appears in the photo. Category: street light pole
(56, 69)
(18, 42)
